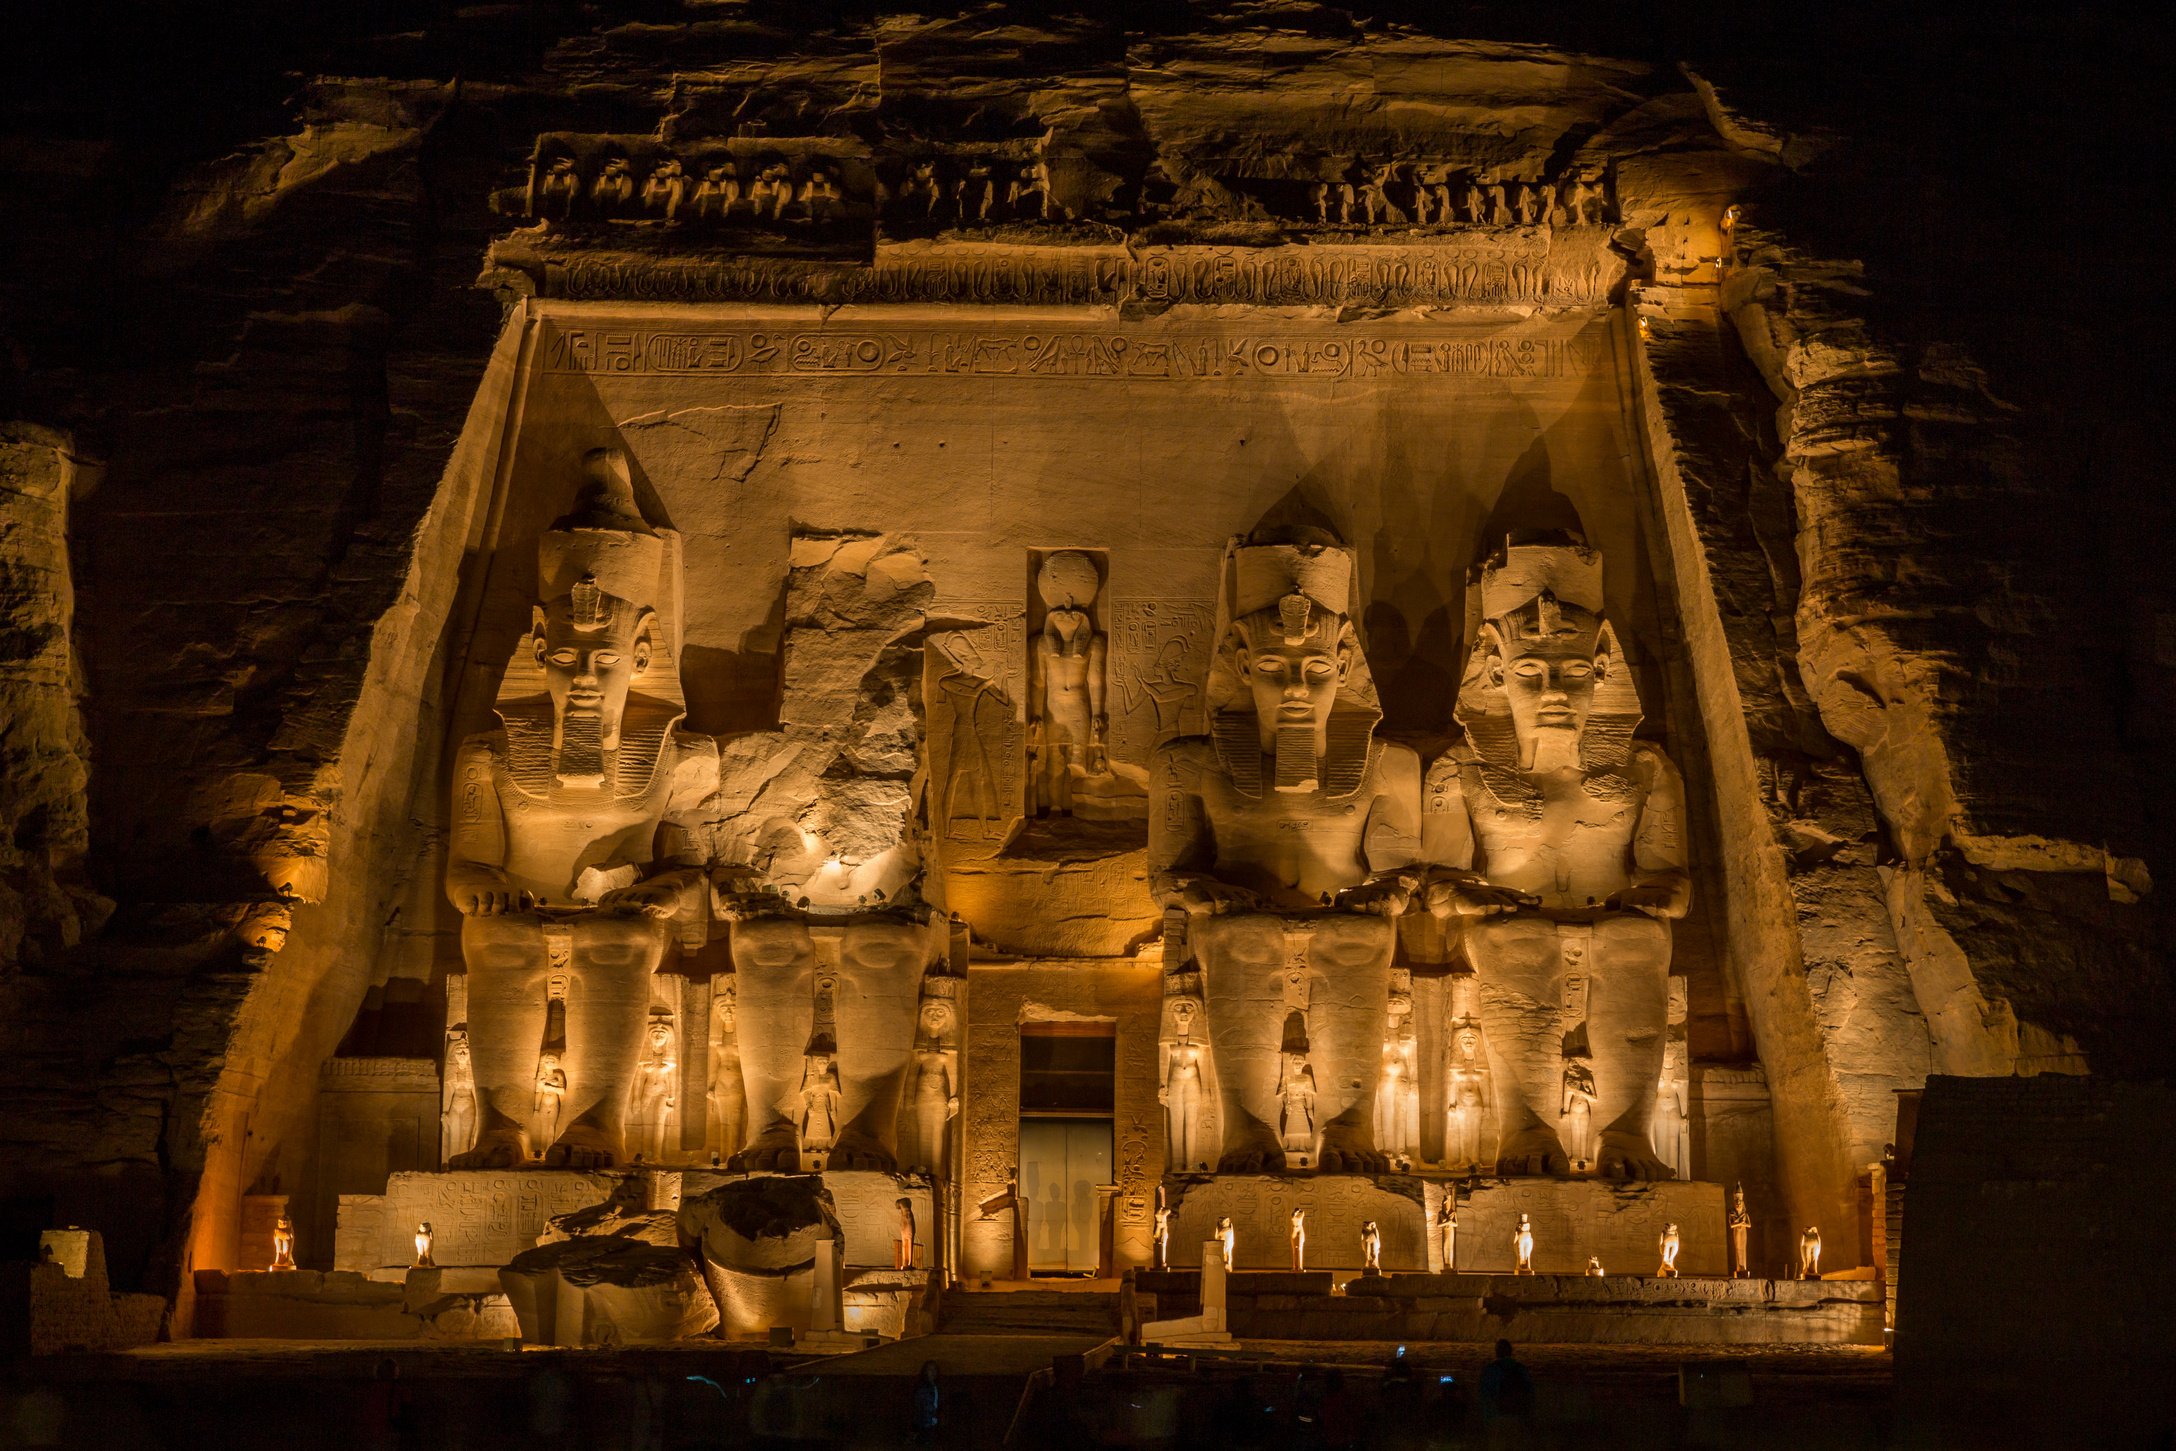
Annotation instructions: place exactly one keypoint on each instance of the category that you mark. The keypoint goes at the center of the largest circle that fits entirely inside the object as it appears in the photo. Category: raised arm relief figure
(1550, 827)
(1289, 835)
(572, 820)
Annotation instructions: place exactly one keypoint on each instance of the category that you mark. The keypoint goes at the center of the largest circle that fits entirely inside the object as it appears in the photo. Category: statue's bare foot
(857, 1150)
(1351, 1153)
(583, 1146)
(1536, 1151)
(774, 1148)
(499, 1149)
(1252, 1158)
(1630, 1156)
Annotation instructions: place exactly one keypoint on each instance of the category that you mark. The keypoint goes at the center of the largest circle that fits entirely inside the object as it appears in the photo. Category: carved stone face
(592, 651)
(460, 1054)
(1547, 665)
(936, 1019)
(1469, 1042)
(1294, 675)
(660, 1037)
(1182, 1017)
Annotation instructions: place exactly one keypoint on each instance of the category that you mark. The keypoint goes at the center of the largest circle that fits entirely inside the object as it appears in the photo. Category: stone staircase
(1030, 1312)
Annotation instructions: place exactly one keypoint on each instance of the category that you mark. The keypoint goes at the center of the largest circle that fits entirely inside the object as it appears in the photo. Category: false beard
(580, 766)
(1296, 763)
(1549, 748)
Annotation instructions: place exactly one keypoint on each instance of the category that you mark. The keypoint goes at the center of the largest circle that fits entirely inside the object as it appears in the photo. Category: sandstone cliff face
(1939, 825)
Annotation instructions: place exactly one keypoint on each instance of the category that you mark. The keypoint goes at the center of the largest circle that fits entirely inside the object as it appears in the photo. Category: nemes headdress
(602, 557)
(1297, 588)
(1551, 587)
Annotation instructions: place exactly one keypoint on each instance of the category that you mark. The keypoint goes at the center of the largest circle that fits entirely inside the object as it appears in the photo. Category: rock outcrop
(1908, 512)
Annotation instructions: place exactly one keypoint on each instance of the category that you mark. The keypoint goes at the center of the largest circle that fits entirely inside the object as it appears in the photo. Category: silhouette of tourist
(928, 1407)
(1507, 1392)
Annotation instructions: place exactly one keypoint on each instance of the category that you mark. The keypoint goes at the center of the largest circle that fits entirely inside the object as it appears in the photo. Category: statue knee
(1633, 938)
(614, 941)
(1511, 943)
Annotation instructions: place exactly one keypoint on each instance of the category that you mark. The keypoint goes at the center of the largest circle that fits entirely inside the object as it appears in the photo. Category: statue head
(1468, 1040)
(1546, 687)
(936, 1018)
(595, 640)
(660, 1035)
(1289, 686)
(547, 1064)
(1068, 582)
(1182, 1016)
(457, 1049)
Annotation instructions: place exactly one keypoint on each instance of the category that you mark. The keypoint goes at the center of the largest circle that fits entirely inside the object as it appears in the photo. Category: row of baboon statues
(779, 189)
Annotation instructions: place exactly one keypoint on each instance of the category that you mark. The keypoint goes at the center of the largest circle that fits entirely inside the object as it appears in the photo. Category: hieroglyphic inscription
(1070, 354)
(1527, 266)
(1160, 655)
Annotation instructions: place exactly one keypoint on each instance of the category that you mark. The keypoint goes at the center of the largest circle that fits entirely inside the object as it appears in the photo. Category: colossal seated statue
(1289, 837)
(571, 848)
(1557, 840)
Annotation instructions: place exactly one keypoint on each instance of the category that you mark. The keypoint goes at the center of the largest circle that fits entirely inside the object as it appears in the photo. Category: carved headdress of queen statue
(1292, 590)
(602, 574)
(1541, 599)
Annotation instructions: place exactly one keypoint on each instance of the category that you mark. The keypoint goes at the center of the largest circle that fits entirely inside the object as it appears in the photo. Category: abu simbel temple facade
(1301, 678)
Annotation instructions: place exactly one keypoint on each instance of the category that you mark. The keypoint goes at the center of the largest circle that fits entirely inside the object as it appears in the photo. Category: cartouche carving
(571, 850)
(1289, 837)
(1556, 835)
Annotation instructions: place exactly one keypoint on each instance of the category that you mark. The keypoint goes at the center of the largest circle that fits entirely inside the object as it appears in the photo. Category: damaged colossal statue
(1557, 840)
(571, 855)
(1289, 837)
(827, 1015)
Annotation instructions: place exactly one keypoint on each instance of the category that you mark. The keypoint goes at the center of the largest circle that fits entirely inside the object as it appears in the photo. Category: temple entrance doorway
(1067, 1091)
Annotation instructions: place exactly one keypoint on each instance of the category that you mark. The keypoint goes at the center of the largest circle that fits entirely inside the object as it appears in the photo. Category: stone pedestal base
(1559, 1309)
(485, 1217)
(1621, 1224)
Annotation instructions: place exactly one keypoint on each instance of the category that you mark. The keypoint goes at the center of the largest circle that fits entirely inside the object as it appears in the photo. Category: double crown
(1266, 574)
(604, 547)
(1564, 569)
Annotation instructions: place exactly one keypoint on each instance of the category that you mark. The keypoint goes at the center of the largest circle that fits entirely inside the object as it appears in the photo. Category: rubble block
(867, 1204)
(608, 1290)
(759, 1238)
(63, 1302)
(884, 1302)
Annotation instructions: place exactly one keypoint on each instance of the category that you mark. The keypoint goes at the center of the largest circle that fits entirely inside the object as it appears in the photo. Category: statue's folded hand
(479, 891)
(1207, 894)
(1659, 897)
(1383, 897)
(652, 898)
(1472, 897)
